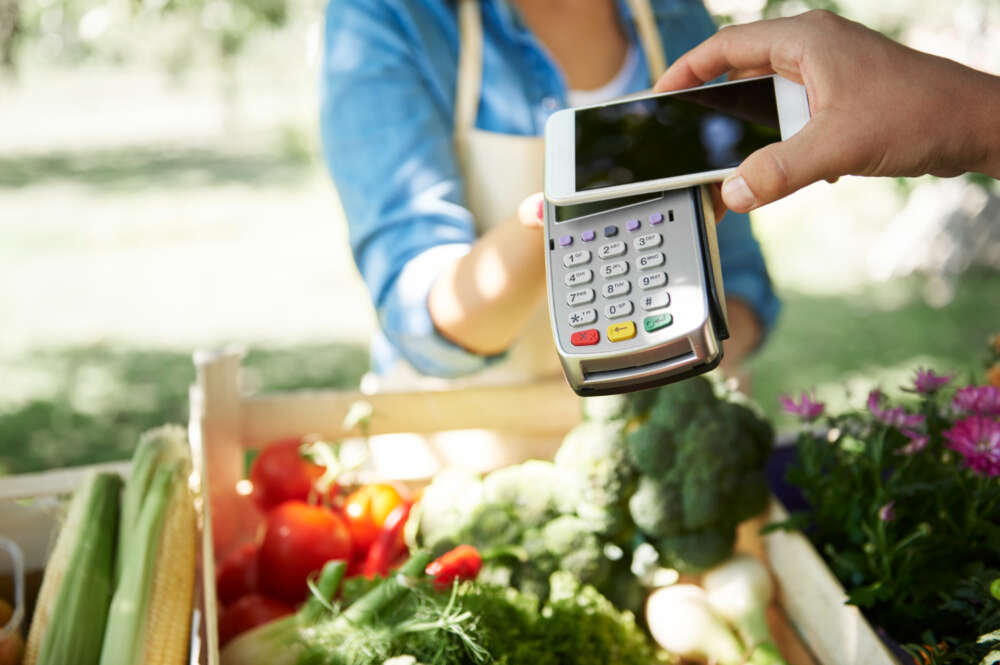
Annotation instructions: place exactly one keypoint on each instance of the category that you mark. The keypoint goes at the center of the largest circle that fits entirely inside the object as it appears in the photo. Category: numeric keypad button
(579, 297)
(655, 301)
(617, 288)
(583, 317)
(614, 269)
(612, 249)
(618, 309)
(650, 260)
(578, 277)
(648, 241)
(653, 280)
(577, 258)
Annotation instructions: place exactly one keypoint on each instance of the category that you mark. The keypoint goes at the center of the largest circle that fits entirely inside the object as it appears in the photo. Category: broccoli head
(535, 491)
(445, 508)
(678, 403)
(618, 407)
(490, 525)
(695, 551)
(594, 454)
(656, 508)
(701, 461)
(577, 548)
(651, 449)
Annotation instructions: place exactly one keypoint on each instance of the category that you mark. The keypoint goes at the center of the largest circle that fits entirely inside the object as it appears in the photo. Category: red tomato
(299, 539)
(237, 574)
(280, 473)
(249, 612)
(366, 510)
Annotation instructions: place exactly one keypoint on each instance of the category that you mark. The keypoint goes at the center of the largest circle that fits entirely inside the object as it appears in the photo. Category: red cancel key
(585, 337)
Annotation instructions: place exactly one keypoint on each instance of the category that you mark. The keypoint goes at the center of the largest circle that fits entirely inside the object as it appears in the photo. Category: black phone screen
(704, 129)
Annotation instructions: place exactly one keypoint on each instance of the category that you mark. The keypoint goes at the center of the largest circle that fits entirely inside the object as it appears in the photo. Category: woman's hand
(531, 212)
(878, 108)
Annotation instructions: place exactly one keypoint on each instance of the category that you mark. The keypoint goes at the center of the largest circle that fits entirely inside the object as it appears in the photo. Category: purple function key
(656, 218)
(565, 241)
(588, 235)
(632, 225)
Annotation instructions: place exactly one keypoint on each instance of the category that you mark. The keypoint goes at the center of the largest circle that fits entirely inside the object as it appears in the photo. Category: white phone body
(561, 169)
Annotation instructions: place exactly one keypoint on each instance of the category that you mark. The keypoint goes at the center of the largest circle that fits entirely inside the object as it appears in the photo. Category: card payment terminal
(635, 290)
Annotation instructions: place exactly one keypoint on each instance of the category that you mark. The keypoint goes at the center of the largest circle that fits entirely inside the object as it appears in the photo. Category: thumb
(531, 210)
(779, 169)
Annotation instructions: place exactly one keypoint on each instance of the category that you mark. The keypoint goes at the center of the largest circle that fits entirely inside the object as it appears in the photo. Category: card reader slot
(636, 372)
(657, 357)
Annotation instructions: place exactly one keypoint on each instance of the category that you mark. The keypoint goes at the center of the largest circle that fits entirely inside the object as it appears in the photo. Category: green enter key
(653, 323)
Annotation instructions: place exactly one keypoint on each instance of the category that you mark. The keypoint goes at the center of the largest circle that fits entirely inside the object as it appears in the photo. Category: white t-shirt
(616, 87)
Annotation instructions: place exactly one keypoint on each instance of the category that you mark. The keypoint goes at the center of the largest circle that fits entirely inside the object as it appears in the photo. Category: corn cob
(150, 616)
(156, 447)
(72, 607)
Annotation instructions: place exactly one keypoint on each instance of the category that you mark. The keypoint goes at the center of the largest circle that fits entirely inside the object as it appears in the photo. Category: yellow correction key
(618, 332)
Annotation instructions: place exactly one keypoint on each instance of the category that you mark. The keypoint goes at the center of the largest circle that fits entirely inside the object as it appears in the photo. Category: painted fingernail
(737, 194)
(541, 209)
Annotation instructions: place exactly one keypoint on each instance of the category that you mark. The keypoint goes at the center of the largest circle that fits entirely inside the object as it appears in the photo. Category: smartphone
(635, 290)
(665, 141)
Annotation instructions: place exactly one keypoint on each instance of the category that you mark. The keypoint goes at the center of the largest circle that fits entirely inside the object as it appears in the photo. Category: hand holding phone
(878, 108)
(666, 141)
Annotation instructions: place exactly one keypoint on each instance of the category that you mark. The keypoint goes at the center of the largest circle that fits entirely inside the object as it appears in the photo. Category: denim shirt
(388, 84)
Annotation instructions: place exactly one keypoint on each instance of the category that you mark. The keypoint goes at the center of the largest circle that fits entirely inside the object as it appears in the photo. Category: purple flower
(917, 442)
(805, 408)
(894, 417)
(887, 513)
(977, 439)
(984, 400)
(928, 383)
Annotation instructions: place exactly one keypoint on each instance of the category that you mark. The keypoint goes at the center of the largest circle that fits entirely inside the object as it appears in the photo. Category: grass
(105, 397)
(841, 346)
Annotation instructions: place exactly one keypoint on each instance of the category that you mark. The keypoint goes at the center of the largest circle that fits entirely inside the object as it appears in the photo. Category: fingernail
(737, 195)
(541, 209)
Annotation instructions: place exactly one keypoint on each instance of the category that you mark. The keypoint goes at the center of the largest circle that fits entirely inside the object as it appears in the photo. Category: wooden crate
(499, 425)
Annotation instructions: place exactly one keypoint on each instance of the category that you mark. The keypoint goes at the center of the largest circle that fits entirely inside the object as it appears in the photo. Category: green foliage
(583, 627)
(482, 623)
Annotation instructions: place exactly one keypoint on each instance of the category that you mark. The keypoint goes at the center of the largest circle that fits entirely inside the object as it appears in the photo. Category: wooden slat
(537, 410)
(53, 483)
(814, 602)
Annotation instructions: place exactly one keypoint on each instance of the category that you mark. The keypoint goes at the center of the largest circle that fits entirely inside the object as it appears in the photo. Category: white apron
(500, 170)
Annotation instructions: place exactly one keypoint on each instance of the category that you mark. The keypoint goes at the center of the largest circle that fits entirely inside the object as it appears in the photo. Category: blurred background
(161, 190)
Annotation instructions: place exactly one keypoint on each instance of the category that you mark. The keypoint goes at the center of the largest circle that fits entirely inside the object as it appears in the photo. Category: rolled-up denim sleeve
(387, 140)
(744, 272)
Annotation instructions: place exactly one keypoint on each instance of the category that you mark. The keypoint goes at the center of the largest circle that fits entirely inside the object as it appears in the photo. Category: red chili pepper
(461, 563)
(388, 543)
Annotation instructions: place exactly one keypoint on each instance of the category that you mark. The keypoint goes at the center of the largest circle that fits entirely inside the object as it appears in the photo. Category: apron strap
(649, 37)
(470, 66)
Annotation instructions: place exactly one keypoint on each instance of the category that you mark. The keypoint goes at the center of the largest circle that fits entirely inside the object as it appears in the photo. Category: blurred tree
(10, 28)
